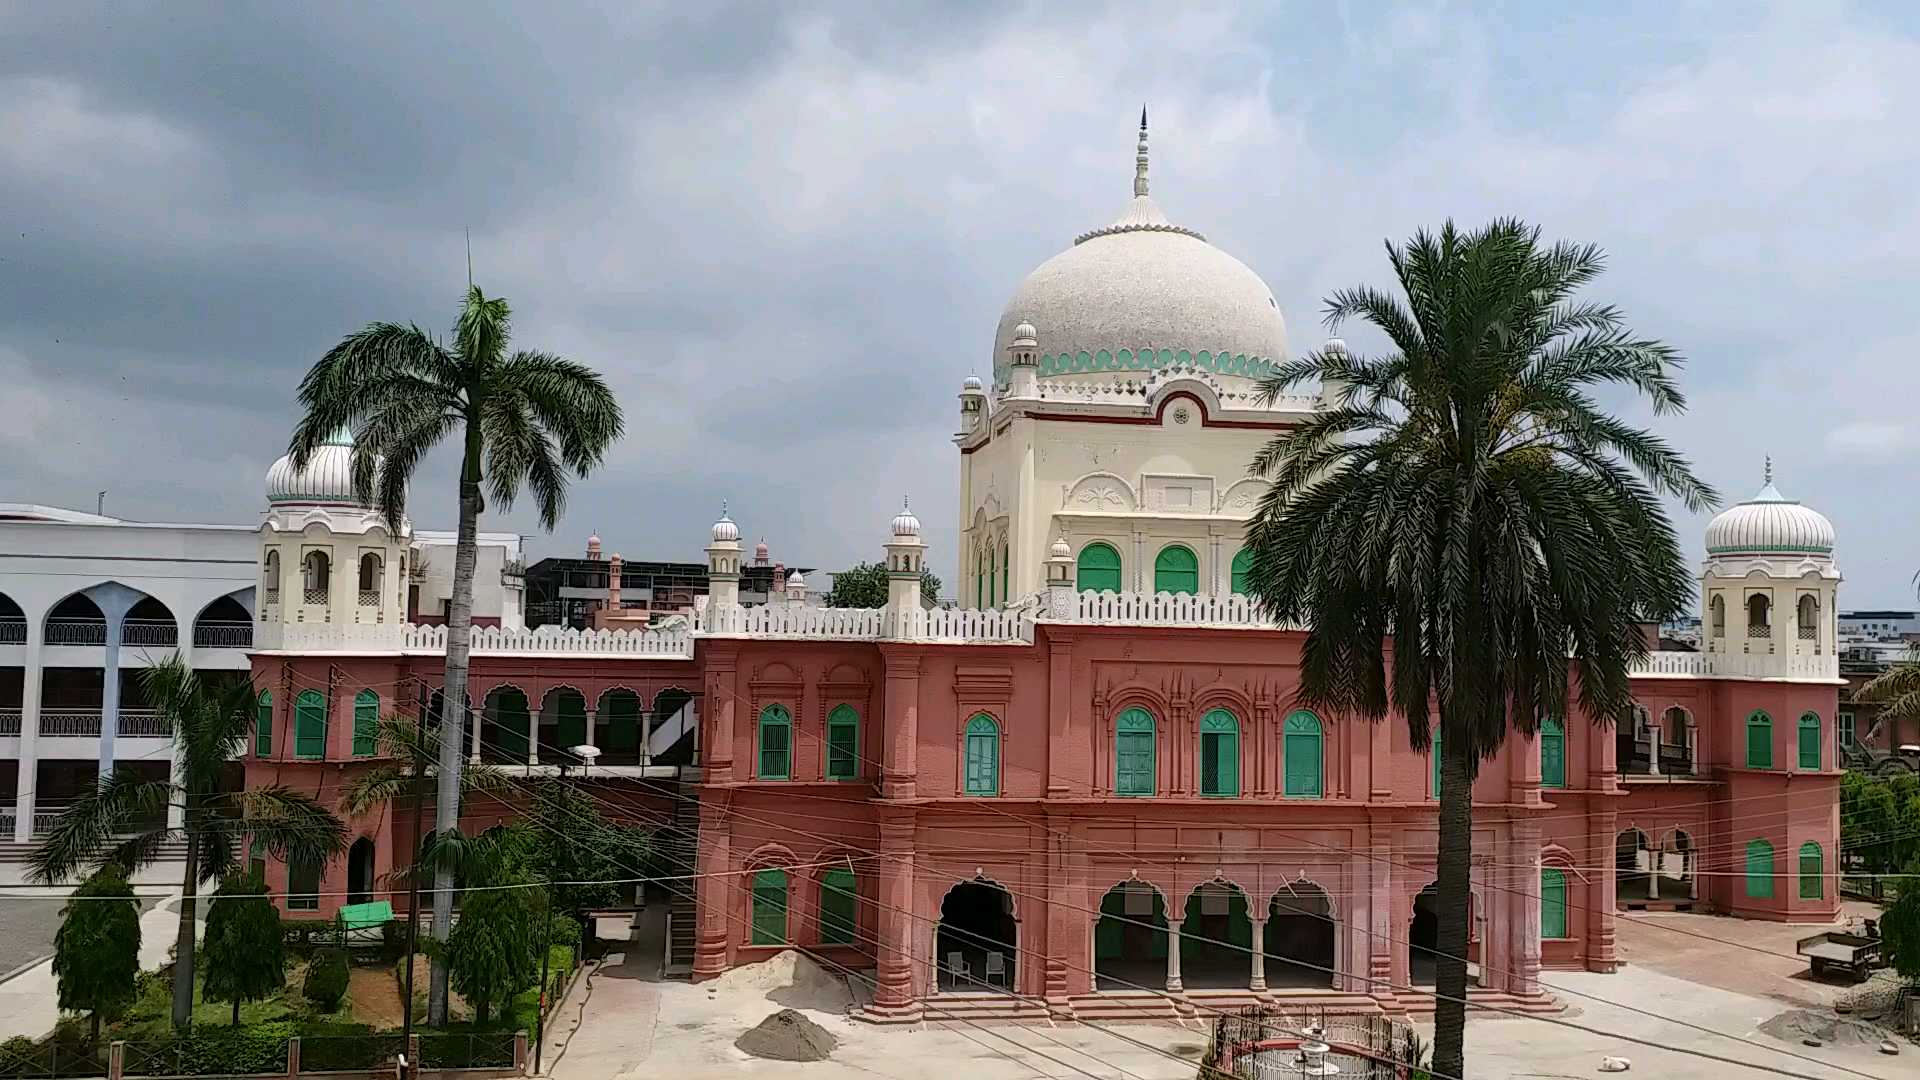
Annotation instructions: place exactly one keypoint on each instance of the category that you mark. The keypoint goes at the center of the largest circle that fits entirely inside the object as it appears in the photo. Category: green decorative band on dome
(1772, 549)
(1148, 359)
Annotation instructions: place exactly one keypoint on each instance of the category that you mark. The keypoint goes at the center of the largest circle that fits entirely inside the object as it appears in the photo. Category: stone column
(1059, 712)
(1600, 890)
(1258, 982)
(110, 683)
(717, 891)
(1174, 985)
(28, 770)
(593, 726)
(1381, 909)
(901, 734)
(533, 735)
(893, 995)
(1525, 952)
(1141, 583)
(476, 719)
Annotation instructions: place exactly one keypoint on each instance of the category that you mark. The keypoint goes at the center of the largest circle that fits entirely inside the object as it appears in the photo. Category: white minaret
(796, 589)
(723, 564)
(1062, 601)
(906, 558)
(1769, 584)
(1023, 364)
(327, 559)
(973, 404)
(1330, 389)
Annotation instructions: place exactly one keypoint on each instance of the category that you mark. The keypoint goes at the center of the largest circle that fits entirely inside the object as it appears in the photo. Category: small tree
(327, 978)
(1900, 927)
(491, 954)
(865, 586)
(96, 952)
(242, 946)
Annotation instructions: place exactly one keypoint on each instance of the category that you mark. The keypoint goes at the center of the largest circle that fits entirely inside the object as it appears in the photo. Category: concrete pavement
(29, 999)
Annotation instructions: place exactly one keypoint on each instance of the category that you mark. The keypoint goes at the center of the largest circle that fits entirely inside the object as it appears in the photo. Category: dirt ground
(375, 994)
(1767, 967)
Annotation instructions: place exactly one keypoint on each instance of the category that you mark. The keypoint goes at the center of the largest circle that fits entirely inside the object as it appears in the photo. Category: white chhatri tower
(1769, 581)
(906, 559)
(327, 558)
(723, 563)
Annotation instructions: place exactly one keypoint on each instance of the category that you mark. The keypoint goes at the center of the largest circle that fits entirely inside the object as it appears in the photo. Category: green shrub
(326, 980)
(393, 939)
(564, 930)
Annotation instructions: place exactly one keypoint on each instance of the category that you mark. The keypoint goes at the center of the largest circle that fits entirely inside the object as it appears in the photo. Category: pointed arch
(366, 722)
(776, 743)
(1759, 740)
(1098, 568)
(1220, 754)
(1134, 771)
(1237, 574)
(1553, 754)
(982, 753)
(1812, 872)
(1176, 570)
(310, 725)
(843, 743)
(1303, 747)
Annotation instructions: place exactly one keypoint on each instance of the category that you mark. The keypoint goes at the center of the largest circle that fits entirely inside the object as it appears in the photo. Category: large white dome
(1769, 524)
(1144, 293)
(327, 479)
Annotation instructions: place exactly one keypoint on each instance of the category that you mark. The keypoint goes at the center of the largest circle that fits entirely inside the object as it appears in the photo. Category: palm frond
(95, 827)
(293, 826)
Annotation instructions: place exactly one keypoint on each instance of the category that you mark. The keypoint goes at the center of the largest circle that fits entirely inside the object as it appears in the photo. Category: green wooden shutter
(1133, 753)
(843, 743)
(1098, 569)
(310, 725)
(1843, 730)
(836, 907)
(1759, 869)
(1241, 564)
(776, 732)
(1176, 570)
(1553, 755)
(1810, 871)
(993, 577)
(1810, 741)
(770, 907)
(1006, 574)
(1434, 752)
(1219, 754)
(1303, 750)
(983, 756)
(366, 722)
(571, 727)
(1759, 741)
(263, 726)
(1553, 903)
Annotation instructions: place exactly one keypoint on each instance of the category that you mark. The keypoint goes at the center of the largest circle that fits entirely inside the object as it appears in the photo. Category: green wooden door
(1553, 903)
(1302, 746)
(1133, 753)
(1219, 754)
(1759, 869)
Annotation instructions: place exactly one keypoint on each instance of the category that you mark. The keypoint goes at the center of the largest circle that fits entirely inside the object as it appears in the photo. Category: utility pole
(413, 905)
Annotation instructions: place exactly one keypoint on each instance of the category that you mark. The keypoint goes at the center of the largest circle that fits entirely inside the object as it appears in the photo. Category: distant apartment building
(601, 591)
(1879, 625)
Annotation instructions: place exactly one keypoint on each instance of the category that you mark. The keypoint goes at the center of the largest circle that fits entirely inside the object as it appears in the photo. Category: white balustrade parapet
(1233, 612)
(1705, 665)
(674, 641)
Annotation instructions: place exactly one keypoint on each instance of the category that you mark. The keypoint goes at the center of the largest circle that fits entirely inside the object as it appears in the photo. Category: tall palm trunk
(1453, 899)
(453, 712)
(183, 943)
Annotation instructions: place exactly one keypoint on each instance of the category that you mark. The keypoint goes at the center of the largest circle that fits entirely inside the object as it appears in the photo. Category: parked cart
(1856, 954)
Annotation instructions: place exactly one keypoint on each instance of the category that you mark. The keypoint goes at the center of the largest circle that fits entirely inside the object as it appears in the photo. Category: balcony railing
(1808, 633)
(1759, 630)
(369, 597)
(13, 631)
(10, 722)
(223, 635)
(76, 631)
(70, 722)
(142, 724)
(316, 596)
(149, 632)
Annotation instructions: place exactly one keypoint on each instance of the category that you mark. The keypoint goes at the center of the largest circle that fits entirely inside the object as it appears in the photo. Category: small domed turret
(724, 530)
(1770, 524)
(904, 523)
(327, 480)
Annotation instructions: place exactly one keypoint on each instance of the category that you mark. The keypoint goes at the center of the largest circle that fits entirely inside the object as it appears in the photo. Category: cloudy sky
(786, 231)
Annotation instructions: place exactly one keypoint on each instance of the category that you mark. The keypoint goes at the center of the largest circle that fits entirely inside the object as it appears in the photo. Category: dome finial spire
(1768, 478)
(1140, 158)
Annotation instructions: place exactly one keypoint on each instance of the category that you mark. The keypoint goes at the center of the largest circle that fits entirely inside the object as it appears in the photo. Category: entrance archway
(975, 945)
(1675, 867)
(360, 871)
(503, 733)
(1423, 938)
(1216, 938)
(1130, 938)
(1632, 867)
(1299, 939)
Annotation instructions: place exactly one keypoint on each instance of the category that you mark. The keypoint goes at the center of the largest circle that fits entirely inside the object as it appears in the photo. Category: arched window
(776, 743)
(366, 722)
(1553, 903)
(1098, 569)
(1759, 741)
(1433, 752)
(1759, 870)
(1717, 615)
(843, 743)
(1810, 741)
(310, 725)
(1301, 746)
(1759, 616)
(271, 575)
(983, 756)
(770, 908)
(1553, 754)
(1810, 871)
(315, 574)
(1237, 579)
(1676, 726)
(1006, 574)
(979, 579)
(992, 578)
(369, 579)
(303, 885)
(1219, 754)
(263, 726)
(1133, 753)
(1808, 618)
(837, 893)
(1176, 570)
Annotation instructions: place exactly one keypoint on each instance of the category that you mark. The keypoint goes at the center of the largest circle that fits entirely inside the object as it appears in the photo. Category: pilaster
(900, 737)
(28, 769)
(893, 996)
(717, 892)
(1059, 712)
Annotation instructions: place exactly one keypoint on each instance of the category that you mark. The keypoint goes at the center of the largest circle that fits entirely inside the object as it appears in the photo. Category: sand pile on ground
(1797, 1024)
(787, 1036)
(791, 979)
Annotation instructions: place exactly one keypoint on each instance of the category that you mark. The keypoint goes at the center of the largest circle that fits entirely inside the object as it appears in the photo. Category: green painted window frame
(843, 743)
(263, 725)
(1553, 904)
(303, 885)
(1759, 740)
(775, 744)
(1433, 751)
(366, 722)
(1812, 871)
(1553, 754)
(1808, 737)
(982, 739)
(1237, 571)
(1097, 568)
(1006, 574)
(310, 725)
(1220, 749)
(1843, 731)
(1303, 748)
(993, 575)
(1176, 569)
(838, 893)
(1759, 870)
(769, 924)
(979, 586)
(1135, 770)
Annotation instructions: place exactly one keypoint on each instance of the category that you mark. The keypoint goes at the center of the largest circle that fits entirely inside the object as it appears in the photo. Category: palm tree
(521, 418)
(122, 821)
(1464, 498)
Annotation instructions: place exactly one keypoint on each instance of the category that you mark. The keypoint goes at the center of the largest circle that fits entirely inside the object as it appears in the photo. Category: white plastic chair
(996, 967)
(957, 970)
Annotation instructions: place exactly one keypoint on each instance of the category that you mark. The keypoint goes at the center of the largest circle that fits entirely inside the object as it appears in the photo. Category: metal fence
(1263, 1043)
(52, 1058)
(357, 1053)
(210, 1054)
(468, 1050)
